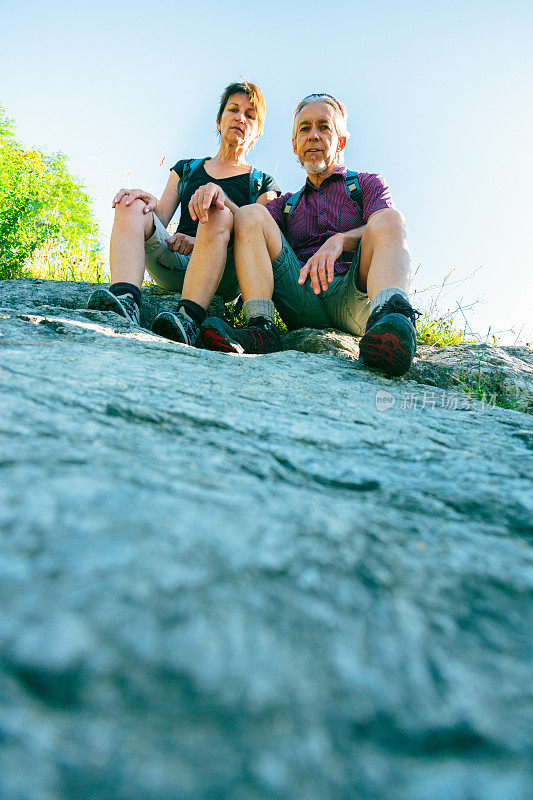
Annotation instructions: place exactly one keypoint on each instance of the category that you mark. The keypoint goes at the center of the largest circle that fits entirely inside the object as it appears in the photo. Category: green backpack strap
(353, 187)
(190, 166)
(256, 181)
(288, 208)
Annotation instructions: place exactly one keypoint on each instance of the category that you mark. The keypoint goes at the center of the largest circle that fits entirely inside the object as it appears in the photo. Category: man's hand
(202, 200)
(135, 194)
(180, 243)
(320, 267)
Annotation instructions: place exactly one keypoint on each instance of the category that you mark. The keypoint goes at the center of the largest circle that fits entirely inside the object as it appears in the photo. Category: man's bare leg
(257, 245)
(389, 341)
(385, 259)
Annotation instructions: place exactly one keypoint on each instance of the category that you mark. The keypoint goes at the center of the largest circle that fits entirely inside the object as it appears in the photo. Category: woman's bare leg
(208, 258)
(131, 228)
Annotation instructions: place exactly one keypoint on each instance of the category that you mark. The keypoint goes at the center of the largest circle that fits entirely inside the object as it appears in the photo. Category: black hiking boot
(259, 335)
(178, 327)
(389, 341)
(124, 304)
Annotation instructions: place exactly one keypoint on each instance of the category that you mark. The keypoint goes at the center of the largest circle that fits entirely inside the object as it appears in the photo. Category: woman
(198, 259)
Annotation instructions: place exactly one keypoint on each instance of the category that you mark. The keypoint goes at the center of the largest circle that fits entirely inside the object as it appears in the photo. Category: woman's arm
(212, 195)
(266, 197)
(166, 208)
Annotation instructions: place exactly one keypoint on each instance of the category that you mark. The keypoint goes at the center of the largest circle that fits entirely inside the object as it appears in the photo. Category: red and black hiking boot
(259, 335)
(389, 341)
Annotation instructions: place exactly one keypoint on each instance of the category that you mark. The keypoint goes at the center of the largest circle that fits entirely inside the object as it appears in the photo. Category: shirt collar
(340, 170)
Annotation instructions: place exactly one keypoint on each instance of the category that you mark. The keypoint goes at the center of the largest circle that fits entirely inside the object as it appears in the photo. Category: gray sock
(385, 294)
(258, 307)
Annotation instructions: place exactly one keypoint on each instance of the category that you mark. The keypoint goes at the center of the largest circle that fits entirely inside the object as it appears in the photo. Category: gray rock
(253, 577)
(503, 372)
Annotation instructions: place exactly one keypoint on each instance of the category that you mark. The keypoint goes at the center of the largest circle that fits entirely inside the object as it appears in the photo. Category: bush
(41, 205)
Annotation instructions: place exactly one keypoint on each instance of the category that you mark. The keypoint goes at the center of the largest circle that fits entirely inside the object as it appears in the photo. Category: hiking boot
(124, 304)
(389, 341)
(177, 327)
(259, 335)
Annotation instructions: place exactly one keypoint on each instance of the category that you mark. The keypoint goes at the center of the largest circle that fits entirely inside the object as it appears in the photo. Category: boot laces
(130, 305)
(398, 305)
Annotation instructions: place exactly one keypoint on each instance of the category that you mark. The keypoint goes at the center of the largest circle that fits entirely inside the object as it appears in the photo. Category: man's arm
(321, 266)
(350, 239)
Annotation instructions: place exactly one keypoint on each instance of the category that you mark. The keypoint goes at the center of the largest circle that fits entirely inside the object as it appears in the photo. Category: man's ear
(294, 148)
(341, 143)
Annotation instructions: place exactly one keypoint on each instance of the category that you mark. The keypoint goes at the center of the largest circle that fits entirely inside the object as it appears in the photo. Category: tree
(40, 203)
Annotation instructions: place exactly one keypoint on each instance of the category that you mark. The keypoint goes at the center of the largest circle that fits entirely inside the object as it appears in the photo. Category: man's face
(239, 124)
(316, 142)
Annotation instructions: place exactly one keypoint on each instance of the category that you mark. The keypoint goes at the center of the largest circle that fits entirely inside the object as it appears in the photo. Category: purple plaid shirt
(321, 212)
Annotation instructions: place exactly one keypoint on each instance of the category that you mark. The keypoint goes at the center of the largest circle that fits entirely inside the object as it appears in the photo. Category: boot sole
(99, 301)
(214, 340)
(166, 326)
(389, 347)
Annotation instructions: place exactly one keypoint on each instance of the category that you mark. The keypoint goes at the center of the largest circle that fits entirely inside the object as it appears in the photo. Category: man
(330, 262)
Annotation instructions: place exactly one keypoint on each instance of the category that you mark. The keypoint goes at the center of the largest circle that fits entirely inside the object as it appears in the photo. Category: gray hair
(340, 115)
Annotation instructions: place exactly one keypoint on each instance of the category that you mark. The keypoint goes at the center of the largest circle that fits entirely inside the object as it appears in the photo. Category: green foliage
(75, 262)
(435, 327)
(41, 205)
(235, 316)
(437, 330)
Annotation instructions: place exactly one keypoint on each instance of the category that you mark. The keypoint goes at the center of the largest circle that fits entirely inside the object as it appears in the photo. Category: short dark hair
(255, 96)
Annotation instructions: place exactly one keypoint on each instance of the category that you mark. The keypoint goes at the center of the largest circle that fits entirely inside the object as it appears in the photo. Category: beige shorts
(168, 268)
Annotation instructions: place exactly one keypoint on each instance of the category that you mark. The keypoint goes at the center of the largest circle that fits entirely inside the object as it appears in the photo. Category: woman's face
(238, 124)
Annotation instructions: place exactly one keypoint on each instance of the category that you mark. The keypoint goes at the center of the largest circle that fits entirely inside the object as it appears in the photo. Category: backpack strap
(189, 167)
(353, 187)
(256, 181)
(289, 206)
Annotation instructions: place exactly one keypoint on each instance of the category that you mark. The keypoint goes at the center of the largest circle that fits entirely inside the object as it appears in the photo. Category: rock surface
(254, 578)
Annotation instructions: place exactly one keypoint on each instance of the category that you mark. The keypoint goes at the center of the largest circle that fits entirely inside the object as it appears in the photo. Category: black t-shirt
(237, 188)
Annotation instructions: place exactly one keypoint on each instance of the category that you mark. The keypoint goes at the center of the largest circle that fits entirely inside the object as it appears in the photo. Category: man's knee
(387, 223)
(255, 223)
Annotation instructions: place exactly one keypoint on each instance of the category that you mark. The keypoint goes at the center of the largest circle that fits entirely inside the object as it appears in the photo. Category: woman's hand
(135, 194)
(180, 243)
(202, 200)
(321, 265)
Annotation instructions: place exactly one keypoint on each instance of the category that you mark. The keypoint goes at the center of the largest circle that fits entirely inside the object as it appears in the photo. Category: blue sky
(439, 97)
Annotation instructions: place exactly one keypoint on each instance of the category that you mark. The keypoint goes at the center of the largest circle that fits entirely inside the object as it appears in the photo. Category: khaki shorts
(342, 306)
(168, 268)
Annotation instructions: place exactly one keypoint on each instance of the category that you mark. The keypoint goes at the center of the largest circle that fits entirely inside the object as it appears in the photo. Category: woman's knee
(132, 219)
(219, 224)
(252, 216)
(132, 215)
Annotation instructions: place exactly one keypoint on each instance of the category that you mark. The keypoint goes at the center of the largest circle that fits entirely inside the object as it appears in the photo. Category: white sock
(385, 294)
(258, 307)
